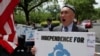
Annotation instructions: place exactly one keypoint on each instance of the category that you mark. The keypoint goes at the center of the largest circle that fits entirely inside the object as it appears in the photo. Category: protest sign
(30, 35)
(62, 43)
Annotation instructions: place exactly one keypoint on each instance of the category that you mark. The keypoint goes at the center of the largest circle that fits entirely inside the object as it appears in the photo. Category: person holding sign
(67, 16)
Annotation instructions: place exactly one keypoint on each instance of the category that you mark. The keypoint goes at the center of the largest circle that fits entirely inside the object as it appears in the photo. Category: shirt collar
(69, 28)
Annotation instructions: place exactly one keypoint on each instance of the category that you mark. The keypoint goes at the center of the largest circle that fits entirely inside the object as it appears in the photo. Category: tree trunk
(26, 12)
(27, 17)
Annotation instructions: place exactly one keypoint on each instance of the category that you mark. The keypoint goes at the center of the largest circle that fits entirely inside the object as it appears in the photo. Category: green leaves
(84, 8)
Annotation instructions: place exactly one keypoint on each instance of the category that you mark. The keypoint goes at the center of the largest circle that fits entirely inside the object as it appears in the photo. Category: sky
(95, 6)
(98, 5)
(61, 3)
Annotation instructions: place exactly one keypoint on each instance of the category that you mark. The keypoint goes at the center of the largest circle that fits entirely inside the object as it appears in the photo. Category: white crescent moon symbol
(3, 5)
(56, 52)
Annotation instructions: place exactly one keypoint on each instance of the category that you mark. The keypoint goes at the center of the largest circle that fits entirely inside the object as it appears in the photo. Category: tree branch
(20, 5)
(37, 5)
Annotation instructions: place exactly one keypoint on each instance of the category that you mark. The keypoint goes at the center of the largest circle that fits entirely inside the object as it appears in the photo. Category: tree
(39, 16)
(54, 9)
(96, 15)
(28, 5)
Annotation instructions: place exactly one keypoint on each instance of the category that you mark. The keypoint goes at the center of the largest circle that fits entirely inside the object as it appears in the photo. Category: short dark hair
(50, 20)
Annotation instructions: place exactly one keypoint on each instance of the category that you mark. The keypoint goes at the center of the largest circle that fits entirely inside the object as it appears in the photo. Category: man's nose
(63, 15)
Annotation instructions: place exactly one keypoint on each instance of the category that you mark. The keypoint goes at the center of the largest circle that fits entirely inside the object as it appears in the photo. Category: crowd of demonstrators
(67, 16)
(68, 24)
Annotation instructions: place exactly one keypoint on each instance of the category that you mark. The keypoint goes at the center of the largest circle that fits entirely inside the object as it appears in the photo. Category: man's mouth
(63, 20)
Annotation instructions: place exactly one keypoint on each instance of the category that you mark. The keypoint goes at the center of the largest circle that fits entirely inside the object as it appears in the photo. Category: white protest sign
(18, 29)
(30, 35)
(91, 43)
(61, 43)
(24, 29)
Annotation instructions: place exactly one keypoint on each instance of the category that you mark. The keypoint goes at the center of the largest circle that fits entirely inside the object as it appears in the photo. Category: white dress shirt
(69, 28)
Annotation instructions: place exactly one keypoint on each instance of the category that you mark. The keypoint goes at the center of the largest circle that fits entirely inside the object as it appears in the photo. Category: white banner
(62, 43)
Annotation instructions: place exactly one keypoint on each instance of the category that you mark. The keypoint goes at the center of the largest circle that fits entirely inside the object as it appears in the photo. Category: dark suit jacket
(75, 28)
(51, 28)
